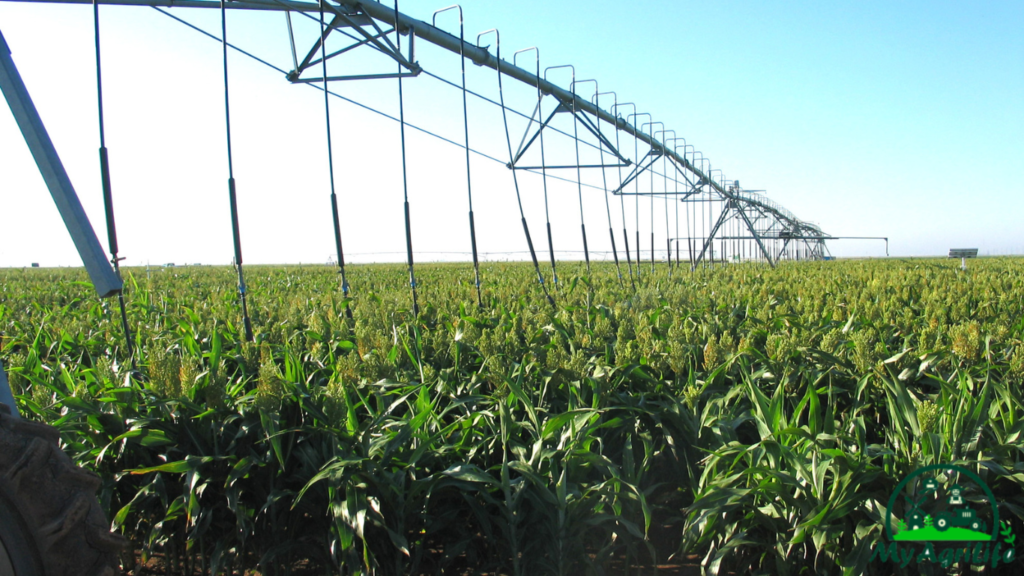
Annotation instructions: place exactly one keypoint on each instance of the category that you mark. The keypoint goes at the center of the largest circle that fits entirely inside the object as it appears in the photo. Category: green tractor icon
(960, 518)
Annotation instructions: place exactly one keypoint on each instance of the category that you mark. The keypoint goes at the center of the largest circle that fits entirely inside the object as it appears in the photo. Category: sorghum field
(754, 419)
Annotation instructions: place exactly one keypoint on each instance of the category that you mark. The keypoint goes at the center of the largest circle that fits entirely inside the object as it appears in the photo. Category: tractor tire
(50, 521)
(943, 521)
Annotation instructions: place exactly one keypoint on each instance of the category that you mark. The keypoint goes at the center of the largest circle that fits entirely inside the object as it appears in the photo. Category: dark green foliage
(759, 418)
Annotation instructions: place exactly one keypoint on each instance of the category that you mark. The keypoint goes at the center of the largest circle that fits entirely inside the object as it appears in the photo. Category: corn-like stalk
(758, 418)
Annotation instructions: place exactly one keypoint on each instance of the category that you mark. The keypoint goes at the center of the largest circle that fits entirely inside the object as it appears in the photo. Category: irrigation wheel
(50, 521)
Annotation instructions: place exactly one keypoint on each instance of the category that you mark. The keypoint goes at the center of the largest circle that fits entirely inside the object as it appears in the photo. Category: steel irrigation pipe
(693, 189)
(677, 198)
(428, 73)
(651, 124)
(676, 195)
(636, 182)
(376, 111)
(604, 178)
(465, 127)
(730, 185)
(543, 163)
(725, 206)
(668, 232)
(405, 178)
(677, 202)
(482, 59)
(518, 113)
(515, 178)
(415, 29)
(622, 207)
(711, 184)
(622, 202)
(576, 142)
(424, 30)
(232, 197)
(108, 197)
(330, 165)
(709, 246)
(700, 191)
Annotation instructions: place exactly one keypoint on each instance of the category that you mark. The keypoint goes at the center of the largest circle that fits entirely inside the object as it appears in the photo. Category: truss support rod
(589, 125)
(540, 128)
(524, 145)
(570, 166)
(307, 61)
(682, 172)
(354, 77)
(379, 41)
(104, 280)
(757, 238)
(711, 235)
(782, 250)
(639, 169)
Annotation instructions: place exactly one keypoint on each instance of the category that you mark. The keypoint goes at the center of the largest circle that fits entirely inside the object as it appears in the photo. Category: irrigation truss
(720, 220)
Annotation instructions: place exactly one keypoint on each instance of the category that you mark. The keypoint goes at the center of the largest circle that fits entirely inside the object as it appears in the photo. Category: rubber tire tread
(55, 503)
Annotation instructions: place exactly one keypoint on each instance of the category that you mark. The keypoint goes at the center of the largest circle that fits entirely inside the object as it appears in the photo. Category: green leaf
(177, 467)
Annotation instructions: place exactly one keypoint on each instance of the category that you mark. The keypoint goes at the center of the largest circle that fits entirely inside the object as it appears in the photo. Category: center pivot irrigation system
(721, 221)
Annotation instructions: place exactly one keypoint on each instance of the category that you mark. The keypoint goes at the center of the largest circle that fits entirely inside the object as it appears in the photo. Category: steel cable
(232, 197)
(579, 176)
(465, 127)
(604, 184)
(515, 178)
(108, 197)
(405, 178)
(539, 111)
(330, 166)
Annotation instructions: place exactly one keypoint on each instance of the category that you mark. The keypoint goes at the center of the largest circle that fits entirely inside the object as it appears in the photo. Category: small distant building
(169, 265)
(35, 264)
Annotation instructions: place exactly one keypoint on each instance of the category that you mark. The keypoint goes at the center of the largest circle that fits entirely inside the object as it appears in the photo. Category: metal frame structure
(367, 24)
(757, 227)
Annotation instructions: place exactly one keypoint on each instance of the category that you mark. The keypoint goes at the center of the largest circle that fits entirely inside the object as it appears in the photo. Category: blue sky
(877, 119)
